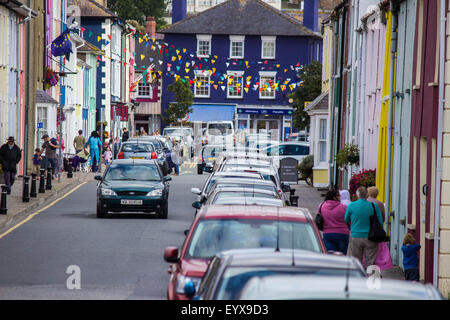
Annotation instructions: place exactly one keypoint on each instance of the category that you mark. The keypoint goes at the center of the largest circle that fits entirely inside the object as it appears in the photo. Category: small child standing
(410, 260)
(37, 161)
(107, 155)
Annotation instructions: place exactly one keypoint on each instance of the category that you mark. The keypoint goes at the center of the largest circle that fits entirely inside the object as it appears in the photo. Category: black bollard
(42, 182)
(26, 189)
(70, 169)
(3, 208)
(294, 201)
(33, 193)
(49, 180)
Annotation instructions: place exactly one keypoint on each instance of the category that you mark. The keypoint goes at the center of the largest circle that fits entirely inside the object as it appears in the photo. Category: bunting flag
(187, 70)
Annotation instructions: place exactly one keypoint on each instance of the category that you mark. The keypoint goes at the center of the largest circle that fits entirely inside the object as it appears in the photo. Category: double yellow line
(31, 216)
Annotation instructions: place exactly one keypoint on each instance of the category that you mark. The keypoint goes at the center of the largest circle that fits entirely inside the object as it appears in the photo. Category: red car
(219, 228)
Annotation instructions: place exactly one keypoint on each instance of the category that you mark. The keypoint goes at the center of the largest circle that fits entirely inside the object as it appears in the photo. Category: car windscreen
(289, 150)
(211, 152)
(213, 235)
(235, 278)
(246, 194)
(220, 129)
(176, 132)
(147, 172)
(138, 147)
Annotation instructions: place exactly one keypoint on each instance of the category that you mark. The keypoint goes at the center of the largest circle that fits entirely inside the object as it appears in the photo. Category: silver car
(137, 150)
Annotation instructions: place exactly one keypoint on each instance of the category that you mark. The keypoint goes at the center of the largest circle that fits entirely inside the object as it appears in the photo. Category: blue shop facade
(239, 70)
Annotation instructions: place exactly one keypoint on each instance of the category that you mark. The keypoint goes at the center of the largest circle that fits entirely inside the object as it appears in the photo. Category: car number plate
(137, 158)
(131, 202)
(211, 159)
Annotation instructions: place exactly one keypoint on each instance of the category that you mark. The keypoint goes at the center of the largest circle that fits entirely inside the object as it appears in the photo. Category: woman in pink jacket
(335, 229)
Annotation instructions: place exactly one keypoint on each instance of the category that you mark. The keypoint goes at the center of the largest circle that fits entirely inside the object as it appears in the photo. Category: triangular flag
(223, 88)
(142, 57)
(99, 38)
(215, 86)
(187, 70)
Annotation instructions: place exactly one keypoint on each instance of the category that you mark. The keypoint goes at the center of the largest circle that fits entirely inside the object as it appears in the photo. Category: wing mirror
(285, 187)
(99, 178)
(167, 178)
(196, 191)
(189, 289)
(171, 254)
(197, 205)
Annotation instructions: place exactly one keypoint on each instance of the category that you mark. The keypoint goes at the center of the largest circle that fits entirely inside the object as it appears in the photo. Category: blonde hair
(373, 192)
(408, 239)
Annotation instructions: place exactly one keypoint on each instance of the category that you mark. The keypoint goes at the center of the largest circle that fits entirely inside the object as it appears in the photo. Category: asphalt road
(119, 257)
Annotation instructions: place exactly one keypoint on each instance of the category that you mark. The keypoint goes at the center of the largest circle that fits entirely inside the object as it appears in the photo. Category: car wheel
(101, 213)
(199, 170)
(164, 211)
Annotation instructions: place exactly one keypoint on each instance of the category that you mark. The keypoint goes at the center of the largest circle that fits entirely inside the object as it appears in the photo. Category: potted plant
(306, 169)
(349, 155)
(364, 178)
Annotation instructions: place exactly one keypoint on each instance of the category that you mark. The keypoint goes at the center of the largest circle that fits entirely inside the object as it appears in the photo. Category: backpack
(376, 231)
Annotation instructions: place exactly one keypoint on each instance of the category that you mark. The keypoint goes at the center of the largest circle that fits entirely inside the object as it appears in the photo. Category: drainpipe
(437, 207)
(393, 8)
(341, 67)
(331, 94)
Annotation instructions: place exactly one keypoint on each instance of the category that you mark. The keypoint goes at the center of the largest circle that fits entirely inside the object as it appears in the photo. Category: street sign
(288, 170)
(40, 125)
(284, 112)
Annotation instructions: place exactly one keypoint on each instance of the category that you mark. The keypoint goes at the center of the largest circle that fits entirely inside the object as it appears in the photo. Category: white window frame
(204, 37)
(235, 74)
(150, 95)
(267, 74)
(199, 73)
(320, 140)
(269, 39)
(237, 39)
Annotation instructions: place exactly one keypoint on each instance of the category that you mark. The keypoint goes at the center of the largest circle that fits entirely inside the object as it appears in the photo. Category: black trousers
(412, 274)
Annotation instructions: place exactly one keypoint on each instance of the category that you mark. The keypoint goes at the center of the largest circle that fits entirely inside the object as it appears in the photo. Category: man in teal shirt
(358, 216)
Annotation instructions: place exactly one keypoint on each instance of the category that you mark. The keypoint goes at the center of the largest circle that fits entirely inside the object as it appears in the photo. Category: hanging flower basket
(51, 78)
(348, 156)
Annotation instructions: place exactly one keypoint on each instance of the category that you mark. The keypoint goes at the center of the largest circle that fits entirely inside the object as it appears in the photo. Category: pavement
(18, 210)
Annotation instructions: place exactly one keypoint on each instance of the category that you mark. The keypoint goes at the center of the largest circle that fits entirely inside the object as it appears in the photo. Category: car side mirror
(196, 191)
(197, 205)
(171, 254)
(99, 178)
(167, 178)
(285, 187)
(189, 289)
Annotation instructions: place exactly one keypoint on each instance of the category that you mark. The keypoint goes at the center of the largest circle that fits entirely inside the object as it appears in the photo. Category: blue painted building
(241, 59)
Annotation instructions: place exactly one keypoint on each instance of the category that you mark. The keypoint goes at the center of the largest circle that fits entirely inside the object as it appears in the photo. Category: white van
(220, 133)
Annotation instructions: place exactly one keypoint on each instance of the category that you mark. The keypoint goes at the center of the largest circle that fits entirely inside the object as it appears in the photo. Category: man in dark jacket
(10, 155)
(125, 135)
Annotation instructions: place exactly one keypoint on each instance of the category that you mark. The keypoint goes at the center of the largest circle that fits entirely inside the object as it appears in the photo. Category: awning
(212, 112)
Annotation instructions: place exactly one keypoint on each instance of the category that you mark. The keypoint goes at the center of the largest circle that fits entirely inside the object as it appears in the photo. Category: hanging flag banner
(62, 46)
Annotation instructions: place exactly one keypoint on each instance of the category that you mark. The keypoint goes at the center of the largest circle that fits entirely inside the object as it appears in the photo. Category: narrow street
(120, 257)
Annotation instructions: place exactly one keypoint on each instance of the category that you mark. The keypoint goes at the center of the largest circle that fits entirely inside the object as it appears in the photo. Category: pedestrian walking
(79, 141)
(107, 155)
(37, 159)
(345, 197)
(125, 135)
(358, 215)
(335, 229)
(373, 194)
(95, 145)
(10, 155)
(50, 146)
(410, 251)
(176, 156)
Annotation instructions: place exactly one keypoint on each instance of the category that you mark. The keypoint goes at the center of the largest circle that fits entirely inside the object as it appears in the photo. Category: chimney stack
(179, 10)
(311, 15)
(150, 26)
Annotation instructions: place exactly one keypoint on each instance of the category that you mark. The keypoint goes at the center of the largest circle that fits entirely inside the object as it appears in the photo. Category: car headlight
(182, 280)
(108, 192)
(155, 193)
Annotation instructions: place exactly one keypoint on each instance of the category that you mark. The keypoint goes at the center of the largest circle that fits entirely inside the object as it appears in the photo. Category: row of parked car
(247, 242)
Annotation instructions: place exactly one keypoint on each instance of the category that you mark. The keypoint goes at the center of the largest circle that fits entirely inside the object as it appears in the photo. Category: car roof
(241, 180)
(133, 161)
(237, 173)
(333, 287)
(302, 258)
(137, 141)
(243, 189)
(258, 212)
(250, 201)
(243, 160)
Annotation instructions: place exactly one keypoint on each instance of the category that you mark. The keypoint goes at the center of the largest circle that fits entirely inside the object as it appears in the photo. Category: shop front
(273, 121)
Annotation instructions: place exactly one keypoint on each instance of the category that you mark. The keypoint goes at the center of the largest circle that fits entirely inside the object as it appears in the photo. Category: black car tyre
(101, 213)
(199, 169)
(164, 211)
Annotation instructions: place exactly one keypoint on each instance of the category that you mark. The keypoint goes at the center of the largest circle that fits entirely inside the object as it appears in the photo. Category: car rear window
(138, 147)
(213, 235)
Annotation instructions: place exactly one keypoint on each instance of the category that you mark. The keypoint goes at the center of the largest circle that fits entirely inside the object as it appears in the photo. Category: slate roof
(90, 8)
(241, 17)
(319, 103)
(44, 97)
